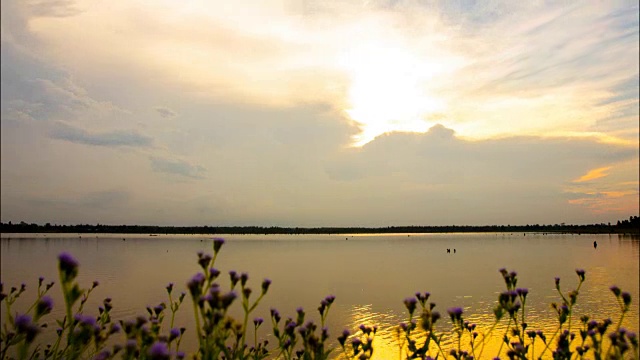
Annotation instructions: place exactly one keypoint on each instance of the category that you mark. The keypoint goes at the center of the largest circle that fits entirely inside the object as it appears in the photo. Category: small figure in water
(454, 251)
(448, 251)
(595, 244)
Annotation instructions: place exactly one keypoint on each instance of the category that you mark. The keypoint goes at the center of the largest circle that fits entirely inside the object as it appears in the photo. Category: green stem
(502, 340)
(549, 342)
(484, 337)
(533, 348)
(198, 330)
(438, 345)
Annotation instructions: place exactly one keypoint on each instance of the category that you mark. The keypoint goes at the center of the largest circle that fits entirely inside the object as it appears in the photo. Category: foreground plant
(518, 342)
(80, 335)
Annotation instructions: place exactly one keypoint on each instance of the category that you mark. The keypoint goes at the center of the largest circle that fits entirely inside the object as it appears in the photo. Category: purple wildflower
(616, 290)
(228, 298)
(234, 278)
(159, 351)
(275, 315)
(131, 345)
(455, 313)
(195, 284)
(159, 308)
(204, 260)
(22, 322)
(102, 355)
(68, 266)
(265, 285)
(217, 244)
(24, 325)
(258, 321)
(44, 306)
(174, 333)
(410, 303)
(435, 316)
(246, 292)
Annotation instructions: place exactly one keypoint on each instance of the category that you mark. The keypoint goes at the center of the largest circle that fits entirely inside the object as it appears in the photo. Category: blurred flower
(68, 266)
(217, 244)
(455, 313)
(522, 292)
(159, 351)
(24, 325)
(265, 285)
(258, 321)
(195, 284)
(275, 315)
(174, 333)
(246, 292)
(410, 304)
(204, 260)
(44, 306)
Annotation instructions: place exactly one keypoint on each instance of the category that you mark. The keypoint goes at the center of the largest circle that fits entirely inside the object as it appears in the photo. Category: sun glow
(389, 91)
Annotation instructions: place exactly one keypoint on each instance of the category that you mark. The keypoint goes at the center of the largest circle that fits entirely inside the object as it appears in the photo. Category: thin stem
(197, 316)
(549, 342)
(502, 340)
(484, 338)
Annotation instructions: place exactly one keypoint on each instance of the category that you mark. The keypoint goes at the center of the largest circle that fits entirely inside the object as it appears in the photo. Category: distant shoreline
(631, 226)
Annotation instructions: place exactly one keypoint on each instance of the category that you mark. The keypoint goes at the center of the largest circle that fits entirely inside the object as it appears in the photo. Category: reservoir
(370, 276)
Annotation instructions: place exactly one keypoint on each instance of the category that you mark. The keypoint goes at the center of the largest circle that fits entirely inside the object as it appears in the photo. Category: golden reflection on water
(389, 341)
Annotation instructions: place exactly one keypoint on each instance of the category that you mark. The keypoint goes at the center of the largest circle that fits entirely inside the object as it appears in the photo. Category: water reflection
(370, 275)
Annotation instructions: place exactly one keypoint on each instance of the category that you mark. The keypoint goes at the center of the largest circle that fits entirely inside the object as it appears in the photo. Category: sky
(319, 113)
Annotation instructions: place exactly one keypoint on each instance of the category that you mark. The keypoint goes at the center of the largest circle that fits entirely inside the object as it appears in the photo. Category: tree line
(632, 226)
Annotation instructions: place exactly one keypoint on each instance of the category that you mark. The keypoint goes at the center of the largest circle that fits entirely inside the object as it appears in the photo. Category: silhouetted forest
(632, 225)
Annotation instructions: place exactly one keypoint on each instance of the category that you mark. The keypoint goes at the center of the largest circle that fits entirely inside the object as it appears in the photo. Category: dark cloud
(166, 112)
(439, 157)
(53, 8)
(177, 167)
(110, 139)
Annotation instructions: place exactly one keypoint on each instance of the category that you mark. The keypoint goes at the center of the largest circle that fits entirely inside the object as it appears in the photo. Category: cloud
(166, 112)
(55, 8)
(177, 167)
(594, 174)
(529, 98)
(115, 138)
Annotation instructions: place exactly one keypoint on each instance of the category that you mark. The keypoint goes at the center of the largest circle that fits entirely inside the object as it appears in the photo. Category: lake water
(370, 275)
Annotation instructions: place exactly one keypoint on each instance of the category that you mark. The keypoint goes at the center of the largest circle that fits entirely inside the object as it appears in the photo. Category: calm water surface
(370, 275)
